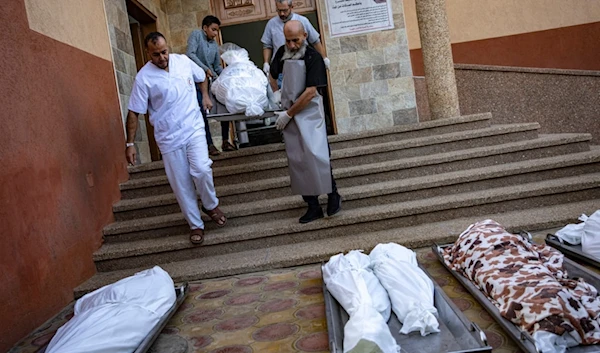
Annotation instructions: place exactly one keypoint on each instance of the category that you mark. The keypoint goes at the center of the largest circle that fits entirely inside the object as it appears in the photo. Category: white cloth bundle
(409, 288)
(358, 291)
(241, 87)
(586, 233)
(117, 317)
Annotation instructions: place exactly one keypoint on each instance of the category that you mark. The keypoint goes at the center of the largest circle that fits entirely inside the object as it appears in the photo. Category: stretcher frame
(181, 293)
(573, 251)
(522, 338)
(457, 333)
(220, 113)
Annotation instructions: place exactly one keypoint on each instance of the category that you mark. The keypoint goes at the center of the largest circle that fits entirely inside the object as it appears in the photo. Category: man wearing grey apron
(303, 121)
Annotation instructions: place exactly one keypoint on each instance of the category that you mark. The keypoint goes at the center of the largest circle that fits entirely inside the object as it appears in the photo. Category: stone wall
(562, 101)
(124, 59)
(184, 17)
(371, 76)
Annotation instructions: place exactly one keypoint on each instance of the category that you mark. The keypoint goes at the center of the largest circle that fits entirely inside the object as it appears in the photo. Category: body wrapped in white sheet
(409, 288)
(117, 317)
(355, 287)
(241, 87)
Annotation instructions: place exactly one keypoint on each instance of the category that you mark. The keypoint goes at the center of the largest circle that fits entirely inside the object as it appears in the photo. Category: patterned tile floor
(273, 311)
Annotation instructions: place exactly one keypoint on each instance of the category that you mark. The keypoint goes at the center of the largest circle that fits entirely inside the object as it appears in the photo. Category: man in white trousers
(165, 87)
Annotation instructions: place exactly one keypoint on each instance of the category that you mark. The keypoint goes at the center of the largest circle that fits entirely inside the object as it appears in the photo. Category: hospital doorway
(142, 22)
(247, 35)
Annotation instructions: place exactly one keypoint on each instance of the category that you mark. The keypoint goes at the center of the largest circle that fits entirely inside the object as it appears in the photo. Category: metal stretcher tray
(573, 251)
(181, 292)
(522, 338)
(220, 113)
(457, 334)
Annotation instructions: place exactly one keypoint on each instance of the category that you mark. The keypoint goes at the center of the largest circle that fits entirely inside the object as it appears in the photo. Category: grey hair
(289, 2)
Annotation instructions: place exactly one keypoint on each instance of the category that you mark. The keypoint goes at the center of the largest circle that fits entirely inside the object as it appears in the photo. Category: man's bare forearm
(267, 52)
(204, 88)
(131, 125)
(302, 101)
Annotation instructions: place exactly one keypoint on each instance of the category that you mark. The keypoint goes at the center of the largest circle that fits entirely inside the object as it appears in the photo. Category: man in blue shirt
(204, 51)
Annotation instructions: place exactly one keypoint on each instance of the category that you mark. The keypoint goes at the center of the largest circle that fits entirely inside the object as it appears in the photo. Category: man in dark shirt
(297, 48)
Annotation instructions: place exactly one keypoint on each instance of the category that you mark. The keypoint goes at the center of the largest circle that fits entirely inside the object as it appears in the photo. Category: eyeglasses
(284, 11)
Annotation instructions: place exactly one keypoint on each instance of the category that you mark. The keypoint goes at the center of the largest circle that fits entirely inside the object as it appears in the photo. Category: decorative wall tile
(174, 7)
(382, 39)
(369, 58)
(361, 75)
(383, 72)
(401, 85)
(363, 106)
(374, 89)
(353, 43)
(405, 116)
(343, 61)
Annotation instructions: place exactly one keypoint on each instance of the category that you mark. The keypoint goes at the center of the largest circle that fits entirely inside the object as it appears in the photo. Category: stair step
(543, 146)
(320, 250)
(112, 256)
(252, 171)
(384, 192)
(274, 151)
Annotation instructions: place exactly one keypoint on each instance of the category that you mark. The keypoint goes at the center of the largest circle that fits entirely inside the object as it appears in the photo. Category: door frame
(146, 24)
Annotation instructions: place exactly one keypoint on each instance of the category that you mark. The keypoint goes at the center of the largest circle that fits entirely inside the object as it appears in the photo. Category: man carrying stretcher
(303, 120)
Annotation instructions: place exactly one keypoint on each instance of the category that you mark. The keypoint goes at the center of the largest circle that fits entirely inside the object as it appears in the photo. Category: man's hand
(209, 74)
(266, 68)
(130, 154)
(282, 120)
(206, 103)
(327, 63)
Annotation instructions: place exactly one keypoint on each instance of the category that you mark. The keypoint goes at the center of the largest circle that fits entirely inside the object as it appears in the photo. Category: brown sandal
(216, 215)
(228, 147)
(197, 236)
(213, 151)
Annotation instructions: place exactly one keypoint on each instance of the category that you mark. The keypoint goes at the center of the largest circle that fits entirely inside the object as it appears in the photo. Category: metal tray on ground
(522, 338)
(457, 334)
(572, 251)
(180, 292)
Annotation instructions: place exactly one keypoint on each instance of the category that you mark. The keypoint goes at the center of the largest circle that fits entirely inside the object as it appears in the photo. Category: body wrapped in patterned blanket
(526, 282)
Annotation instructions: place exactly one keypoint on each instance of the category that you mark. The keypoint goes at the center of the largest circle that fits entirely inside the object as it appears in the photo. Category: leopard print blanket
(526, 282)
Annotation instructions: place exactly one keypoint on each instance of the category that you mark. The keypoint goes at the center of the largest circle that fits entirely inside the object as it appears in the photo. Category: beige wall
(80, 24)
(471, 20)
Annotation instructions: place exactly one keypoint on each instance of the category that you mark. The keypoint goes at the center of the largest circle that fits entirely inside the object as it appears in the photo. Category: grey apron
(305, 136)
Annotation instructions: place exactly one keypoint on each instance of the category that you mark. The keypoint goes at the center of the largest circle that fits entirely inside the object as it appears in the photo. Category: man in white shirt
(165, 87)
(273, 38)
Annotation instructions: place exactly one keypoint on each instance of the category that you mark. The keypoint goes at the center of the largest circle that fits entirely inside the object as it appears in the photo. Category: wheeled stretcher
(572, 251)
(180, 292)
(522, 338)
(457, 334)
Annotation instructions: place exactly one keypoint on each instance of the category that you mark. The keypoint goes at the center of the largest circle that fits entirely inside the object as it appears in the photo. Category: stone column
(437, 58)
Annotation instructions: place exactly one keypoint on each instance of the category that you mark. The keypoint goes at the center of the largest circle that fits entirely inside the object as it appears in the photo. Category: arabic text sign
(348, 17)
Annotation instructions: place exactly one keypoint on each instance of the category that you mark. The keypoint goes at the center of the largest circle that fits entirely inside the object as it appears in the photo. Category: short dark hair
(153, 37)
(209, 20)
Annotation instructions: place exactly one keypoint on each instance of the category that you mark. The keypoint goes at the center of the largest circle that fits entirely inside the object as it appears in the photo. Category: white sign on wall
(348, 17)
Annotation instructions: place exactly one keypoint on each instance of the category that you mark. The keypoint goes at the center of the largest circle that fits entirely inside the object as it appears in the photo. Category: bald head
(295, 35)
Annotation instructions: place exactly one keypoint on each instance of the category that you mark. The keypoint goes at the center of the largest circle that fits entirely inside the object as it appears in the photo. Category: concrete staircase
(409, 184)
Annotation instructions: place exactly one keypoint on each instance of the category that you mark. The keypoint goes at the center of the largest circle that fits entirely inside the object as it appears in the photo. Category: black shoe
(312, 214)
(334, 204)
